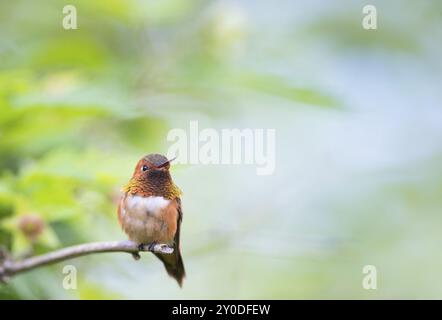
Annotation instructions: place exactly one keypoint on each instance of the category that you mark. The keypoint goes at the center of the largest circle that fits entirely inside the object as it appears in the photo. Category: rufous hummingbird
(150, 210)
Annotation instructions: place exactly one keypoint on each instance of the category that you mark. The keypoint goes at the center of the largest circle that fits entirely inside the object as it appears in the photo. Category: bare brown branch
(9, 268)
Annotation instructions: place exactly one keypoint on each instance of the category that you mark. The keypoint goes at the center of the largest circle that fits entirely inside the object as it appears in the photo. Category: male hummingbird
(150, 210)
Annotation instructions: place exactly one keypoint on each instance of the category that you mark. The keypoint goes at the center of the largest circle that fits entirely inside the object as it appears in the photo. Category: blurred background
(358, 121)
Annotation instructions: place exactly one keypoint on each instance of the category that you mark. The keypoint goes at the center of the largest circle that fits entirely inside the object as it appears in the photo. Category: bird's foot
(148, 246)
(152, 245)
(155, 247)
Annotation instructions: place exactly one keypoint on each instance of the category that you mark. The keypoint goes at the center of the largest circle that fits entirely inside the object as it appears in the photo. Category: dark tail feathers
(174, 265)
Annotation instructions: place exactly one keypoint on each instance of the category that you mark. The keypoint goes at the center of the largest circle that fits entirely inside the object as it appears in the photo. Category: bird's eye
(145, 168)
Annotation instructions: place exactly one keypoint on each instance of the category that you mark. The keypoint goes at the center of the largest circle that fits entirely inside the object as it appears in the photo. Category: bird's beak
(165, 163)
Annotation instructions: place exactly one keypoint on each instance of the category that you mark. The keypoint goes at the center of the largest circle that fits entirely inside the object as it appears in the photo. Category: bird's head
(152, 174)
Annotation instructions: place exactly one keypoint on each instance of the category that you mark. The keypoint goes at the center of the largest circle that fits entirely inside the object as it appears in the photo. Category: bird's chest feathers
(148, 219)
(142, 207)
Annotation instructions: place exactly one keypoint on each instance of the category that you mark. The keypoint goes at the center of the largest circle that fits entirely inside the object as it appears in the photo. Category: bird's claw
(152, 246)
(147, 247)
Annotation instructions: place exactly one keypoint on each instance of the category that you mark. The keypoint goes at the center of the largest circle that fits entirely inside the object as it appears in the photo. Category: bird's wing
(174, 262)
(121, 208)
(178, 223)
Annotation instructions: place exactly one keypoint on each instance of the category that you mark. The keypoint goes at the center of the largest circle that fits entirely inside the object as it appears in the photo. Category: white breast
(145, 205)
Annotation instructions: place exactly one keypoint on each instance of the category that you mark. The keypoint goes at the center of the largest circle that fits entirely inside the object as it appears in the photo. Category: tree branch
(9, 268)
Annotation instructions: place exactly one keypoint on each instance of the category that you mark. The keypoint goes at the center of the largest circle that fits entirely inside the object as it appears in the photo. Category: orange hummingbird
(150, 210)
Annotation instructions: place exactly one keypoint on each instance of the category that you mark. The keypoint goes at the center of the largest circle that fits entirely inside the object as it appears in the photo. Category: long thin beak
(165, 163)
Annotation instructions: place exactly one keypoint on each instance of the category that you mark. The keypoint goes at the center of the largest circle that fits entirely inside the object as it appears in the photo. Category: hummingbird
(150, 210)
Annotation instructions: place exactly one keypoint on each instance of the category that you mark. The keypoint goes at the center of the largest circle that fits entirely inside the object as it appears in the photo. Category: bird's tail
(174, 265)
